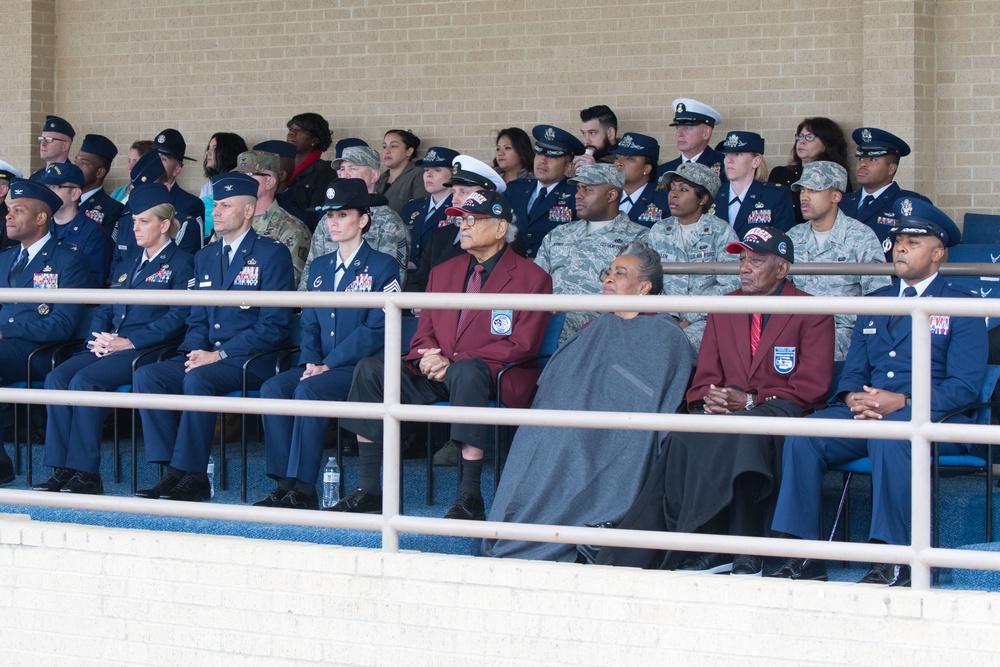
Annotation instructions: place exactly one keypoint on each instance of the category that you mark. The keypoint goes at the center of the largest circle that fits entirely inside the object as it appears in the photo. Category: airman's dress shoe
(748, 566)
(887, 574)
(467, 506)
(55, 483)
(297, 500)
(358, 501)
(707, 563)
(164, 484)
(272, 498)
(191, 488)
(84, 482)
(807, 569)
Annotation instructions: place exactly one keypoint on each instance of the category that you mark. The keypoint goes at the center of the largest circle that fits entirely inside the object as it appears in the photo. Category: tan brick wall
(456, 71)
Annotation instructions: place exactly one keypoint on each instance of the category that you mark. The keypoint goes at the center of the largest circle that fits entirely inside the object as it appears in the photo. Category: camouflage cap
(258, 162)
(366, 156)
(822, 175)
(600, 173)
(696, 173)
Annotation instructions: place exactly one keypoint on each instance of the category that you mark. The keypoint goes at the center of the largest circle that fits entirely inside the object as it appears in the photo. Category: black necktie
(15, 271)
(536, 207)
(736, 200)
(896, 322)
(336, 275)
(226, 249)
(142, 266)
(866, 201)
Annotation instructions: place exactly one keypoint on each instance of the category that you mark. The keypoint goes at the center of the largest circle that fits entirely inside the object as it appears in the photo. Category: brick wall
(84, 595)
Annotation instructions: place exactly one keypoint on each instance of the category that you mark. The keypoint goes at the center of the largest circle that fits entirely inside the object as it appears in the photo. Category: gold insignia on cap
(455, 168)
(43, 309)
(680, 107)
(143, 179)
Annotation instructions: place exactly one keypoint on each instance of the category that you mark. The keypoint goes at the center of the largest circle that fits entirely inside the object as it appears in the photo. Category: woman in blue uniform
(747, 201)
(120, 334)
(333, 341)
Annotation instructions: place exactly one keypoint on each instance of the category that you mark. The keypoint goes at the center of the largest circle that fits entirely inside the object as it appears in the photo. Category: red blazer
(438, 328)
(800, 345)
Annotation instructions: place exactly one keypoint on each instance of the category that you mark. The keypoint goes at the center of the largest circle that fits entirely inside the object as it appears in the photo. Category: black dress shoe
(297, 500)
(84, 482)
(467, 506)
(707, 563)
(806, 569)
(887, 574)
(163, 485)
(748, 566)
(55, 483)
(191, 488)
(272, 498)
(358, 501)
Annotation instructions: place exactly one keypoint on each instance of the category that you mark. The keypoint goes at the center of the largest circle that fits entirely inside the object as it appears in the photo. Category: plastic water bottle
(210, 471)
(331, 482)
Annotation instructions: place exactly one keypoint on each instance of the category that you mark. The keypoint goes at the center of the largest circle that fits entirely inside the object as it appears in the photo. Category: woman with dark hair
(816, 139)
(692, 234)
(135, 151)
(402, 180)
(220, 156)
(310, 134)
(515, 158)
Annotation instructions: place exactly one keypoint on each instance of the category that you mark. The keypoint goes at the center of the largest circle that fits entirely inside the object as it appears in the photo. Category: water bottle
(331, 482)
(210, 471)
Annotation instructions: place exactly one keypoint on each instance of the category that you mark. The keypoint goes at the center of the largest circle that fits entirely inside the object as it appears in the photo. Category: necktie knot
(910, 291)
(735, 200)
(866, 201)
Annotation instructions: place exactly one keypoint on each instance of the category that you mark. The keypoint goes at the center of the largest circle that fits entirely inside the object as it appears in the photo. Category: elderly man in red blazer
(754, 365)
(456, 354)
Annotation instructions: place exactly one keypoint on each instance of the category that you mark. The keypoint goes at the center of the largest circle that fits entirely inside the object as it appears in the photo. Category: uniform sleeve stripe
(392, 287)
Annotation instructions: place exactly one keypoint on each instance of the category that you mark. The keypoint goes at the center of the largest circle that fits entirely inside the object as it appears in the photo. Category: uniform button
(218, 344)
(218, 326)
(890, 374)
(333, 314)
(892, 353)
(332, 333)
(11, 320)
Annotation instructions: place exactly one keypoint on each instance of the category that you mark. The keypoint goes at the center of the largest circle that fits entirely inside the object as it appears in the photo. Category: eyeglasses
(469, 220)
(49, 140)
(807, 137)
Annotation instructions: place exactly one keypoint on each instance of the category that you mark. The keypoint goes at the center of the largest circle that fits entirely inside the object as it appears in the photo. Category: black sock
(305, 488)
(472, 471)
(286, 483)
(174, 472)
(370, 460)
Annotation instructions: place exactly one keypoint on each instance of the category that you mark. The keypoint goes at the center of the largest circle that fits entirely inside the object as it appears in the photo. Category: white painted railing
(919, 430)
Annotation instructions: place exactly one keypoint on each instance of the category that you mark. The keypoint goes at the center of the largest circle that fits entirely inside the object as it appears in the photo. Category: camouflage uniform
(849, 241)
(714, 234)
(278, 224)
(387, 234)
(575, 259)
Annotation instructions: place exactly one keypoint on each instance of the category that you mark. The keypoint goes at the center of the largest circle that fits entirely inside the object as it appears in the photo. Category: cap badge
(906, 207)
(143, 179)
(227, 188)
(680, 107)
(43, 309)
(497, 210)
(330, 193)
(866, 135)
(160, 139)
(52, 124)
(783, 248)
(626, 142)
(455, 168)
(550, 134)
(732, 141)
(18, 192)
(431, 156)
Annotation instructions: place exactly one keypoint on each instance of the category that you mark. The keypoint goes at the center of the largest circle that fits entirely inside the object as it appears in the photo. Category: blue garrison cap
(233, 184)
(553, 142)
(437, 156)
(60, 125)
(59, 173)
(633, 143)
(347, 143)
(21, 188)
(144, 197)
(147, 169)
(98, 144)
(280, 146)
(741, 142)
(918, 217)
(873, 142)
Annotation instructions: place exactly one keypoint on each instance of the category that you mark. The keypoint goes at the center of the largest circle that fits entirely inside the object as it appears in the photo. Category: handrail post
(920, 448)
(391, 461)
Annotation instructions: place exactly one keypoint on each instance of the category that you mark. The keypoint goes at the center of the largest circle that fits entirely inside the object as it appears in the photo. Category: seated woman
(135, 151)
(692, 234)
(402, 179)
(333, 341)
(576, 476)
(121, 333)
(515, 157)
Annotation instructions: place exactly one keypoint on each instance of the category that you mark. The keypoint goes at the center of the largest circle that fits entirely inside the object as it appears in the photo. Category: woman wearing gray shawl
(618, 362)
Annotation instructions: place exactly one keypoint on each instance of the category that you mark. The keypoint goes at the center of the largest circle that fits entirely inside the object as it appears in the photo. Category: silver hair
(651, 269)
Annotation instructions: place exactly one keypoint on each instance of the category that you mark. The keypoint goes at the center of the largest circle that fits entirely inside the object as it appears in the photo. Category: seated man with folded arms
(456, 354)
(875, 384)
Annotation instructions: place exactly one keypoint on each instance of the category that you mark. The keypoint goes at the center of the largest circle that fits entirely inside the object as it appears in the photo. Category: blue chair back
(981, 228)
(978, 253)
(409, 328)
(550, 341)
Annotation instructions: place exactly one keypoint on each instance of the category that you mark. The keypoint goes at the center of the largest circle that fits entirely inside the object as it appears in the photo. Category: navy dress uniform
(73, 433)
(693, 112)
(99, 206)
(878, 213)
(880, 357)
(235, 332)
(420, 215)
(649, 205)
(537, 213)
(767, 204)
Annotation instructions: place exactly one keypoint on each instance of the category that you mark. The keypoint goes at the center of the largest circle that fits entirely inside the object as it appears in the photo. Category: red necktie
(474, 286)
(755, 327)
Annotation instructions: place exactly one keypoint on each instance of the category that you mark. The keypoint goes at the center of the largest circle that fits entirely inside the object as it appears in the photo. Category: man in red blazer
(754, 365)
(456, 354)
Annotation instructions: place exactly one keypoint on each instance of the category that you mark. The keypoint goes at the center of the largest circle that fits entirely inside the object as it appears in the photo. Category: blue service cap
(98, 144)
(9, 172)
(21, 188)
(59, 173)
(350, 193)
(60, 125)
(918, 218)
(146, 196)
(873, 142)
(233, 184)
(693, 112)
(347, 143)
(741, 142)
(280, 146)
(553, 142)
(147, 169)
(437, 156)
(633, 143)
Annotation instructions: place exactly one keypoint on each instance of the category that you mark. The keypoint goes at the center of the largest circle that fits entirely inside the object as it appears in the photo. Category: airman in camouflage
(575, 253)
(830, 236)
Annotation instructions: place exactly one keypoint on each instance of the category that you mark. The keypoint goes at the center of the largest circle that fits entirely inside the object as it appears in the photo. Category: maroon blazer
(794, 357)
(480, 337)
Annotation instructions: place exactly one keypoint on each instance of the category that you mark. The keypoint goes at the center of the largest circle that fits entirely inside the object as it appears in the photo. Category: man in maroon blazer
(456, 354)
(754, 365)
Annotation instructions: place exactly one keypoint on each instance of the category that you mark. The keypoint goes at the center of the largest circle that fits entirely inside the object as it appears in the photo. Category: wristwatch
(749, 403)
(222, 354)
(907, 397)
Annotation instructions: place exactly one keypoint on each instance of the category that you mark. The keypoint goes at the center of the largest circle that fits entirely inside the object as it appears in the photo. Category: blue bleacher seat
(981, 228)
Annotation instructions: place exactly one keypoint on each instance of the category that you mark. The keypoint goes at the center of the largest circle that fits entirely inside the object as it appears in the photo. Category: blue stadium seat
(981, 228)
